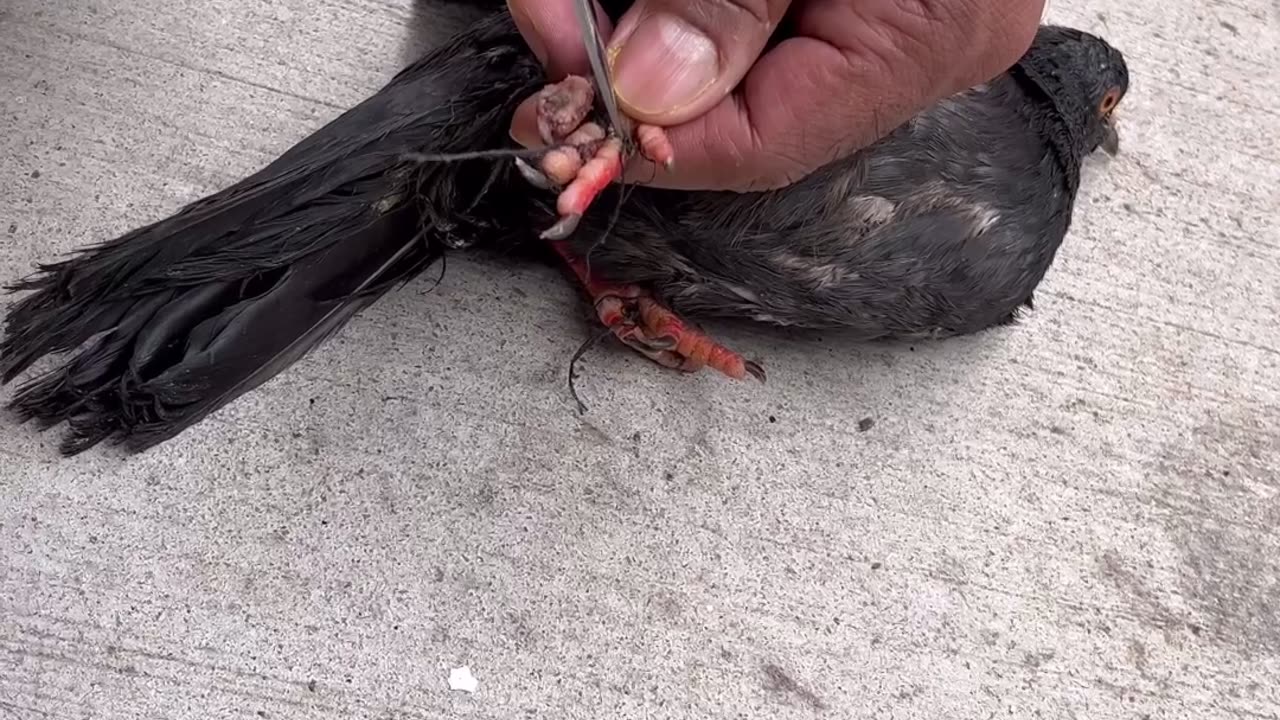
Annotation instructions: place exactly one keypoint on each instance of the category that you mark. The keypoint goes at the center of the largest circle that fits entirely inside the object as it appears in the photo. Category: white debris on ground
(462, 679)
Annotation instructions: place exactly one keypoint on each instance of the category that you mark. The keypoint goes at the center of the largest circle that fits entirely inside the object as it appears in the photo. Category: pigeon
(943, 227)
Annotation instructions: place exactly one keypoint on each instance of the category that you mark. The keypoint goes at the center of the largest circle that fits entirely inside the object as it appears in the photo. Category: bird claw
(582, 161)
(563, 228)
(583, 158)
(534, 176)
(653, 330)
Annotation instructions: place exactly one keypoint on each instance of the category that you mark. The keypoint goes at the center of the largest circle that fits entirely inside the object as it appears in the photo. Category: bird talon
(584, 158)
(602, 167)
(563, 228)
(651, 329)
(534, 177)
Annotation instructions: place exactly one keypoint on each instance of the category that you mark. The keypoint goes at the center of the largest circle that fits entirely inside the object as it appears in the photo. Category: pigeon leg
(653, 330)
(601, 164)
(583, 160)
(584, 157)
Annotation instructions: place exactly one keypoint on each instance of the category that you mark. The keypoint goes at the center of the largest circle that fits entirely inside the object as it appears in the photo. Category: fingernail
(664, 64)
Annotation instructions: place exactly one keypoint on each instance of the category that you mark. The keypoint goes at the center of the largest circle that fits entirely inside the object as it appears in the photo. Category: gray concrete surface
(1073, 518)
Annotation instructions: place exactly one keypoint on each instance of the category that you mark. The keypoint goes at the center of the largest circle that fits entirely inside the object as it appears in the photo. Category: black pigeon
(944, 227)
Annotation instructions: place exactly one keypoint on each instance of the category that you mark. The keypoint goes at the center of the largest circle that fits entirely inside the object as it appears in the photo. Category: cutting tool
(591, 38)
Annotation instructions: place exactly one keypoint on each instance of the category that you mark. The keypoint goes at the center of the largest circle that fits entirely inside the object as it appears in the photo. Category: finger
(672, 60)
(856, 70)
(551, 29)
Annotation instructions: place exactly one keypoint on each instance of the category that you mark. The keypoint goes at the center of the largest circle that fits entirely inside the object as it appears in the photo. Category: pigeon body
(945, 226)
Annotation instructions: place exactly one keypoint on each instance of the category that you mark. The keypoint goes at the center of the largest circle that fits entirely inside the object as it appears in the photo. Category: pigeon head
(1085, 78)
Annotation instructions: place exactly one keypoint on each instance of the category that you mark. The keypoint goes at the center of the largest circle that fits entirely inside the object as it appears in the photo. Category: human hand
(743, 117)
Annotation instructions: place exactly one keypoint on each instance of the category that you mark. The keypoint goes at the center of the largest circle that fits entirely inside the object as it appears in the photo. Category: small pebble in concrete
(461, 679)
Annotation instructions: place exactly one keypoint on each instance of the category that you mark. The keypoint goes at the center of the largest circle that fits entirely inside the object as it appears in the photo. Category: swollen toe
(656, 146)
(562, 107)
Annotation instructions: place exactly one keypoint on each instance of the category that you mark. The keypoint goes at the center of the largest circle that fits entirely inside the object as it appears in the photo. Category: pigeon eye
(1110, 101)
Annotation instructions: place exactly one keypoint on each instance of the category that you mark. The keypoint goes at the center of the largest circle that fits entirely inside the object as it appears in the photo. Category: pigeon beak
(1110, 137)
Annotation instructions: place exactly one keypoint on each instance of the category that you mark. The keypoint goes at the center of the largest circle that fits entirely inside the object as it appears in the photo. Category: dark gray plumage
(946, 226)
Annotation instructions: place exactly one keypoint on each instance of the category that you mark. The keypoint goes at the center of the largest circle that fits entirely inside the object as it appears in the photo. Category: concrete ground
(1072, 518)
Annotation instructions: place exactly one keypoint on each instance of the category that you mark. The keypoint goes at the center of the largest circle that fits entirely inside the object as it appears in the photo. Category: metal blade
(585, 11)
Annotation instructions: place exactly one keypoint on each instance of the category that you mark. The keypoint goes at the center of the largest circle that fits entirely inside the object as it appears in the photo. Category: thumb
(673, 60)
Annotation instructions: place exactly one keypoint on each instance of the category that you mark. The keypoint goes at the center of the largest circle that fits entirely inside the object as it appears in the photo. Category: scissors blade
(585, 11)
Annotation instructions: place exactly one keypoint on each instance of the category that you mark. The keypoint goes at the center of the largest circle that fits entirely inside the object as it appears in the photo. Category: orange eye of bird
(1110, 101)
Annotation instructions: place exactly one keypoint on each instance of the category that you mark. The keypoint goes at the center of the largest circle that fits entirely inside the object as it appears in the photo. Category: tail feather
(196, 309)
